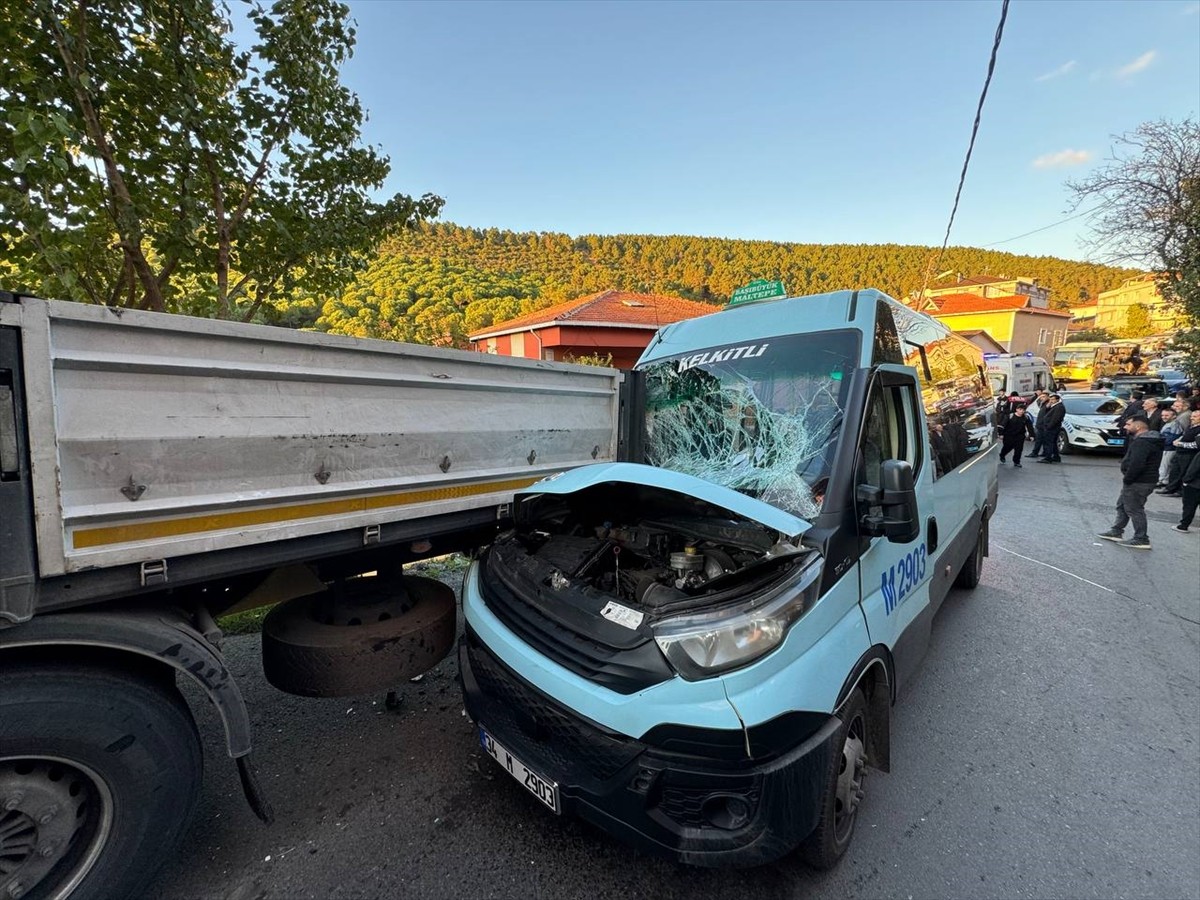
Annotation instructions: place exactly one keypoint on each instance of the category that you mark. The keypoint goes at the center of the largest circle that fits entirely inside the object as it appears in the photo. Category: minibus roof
(765, 319)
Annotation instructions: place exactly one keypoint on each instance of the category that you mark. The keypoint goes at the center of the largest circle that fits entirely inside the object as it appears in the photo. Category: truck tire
(100, 771)
(972, 568)
(385, 630)
(843, 789)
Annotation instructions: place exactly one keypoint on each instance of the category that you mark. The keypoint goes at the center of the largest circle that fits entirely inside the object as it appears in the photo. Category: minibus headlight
(705, 644)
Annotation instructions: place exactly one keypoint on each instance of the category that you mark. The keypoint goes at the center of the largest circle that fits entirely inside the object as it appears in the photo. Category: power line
(1086, 212)
(975, 128)
(971, 146)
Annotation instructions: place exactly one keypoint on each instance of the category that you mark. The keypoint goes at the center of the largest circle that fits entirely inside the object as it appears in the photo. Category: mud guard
(165, 636)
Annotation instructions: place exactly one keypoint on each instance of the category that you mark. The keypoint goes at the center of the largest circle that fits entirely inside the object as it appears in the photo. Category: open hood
(725, 498)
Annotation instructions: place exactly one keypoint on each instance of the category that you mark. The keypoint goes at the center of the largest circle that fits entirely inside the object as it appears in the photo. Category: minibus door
(894, 569)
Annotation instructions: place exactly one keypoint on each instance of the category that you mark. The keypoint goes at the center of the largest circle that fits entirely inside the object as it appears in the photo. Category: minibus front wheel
(843, 791)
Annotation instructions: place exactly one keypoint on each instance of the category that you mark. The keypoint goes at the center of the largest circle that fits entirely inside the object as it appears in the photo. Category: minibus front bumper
(690, 794)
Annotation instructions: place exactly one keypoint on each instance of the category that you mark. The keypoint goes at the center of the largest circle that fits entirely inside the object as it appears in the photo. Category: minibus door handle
(931, 535)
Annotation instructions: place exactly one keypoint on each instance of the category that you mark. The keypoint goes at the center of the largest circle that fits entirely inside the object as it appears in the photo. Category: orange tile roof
(961, 303)
(949, 304)
(610, 307)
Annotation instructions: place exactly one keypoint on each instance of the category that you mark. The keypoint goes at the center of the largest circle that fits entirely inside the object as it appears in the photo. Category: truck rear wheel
(100, 772)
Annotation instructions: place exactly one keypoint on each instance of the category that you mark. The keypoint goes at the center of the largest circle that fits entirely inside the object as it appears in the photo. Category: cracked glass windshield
(761, 418)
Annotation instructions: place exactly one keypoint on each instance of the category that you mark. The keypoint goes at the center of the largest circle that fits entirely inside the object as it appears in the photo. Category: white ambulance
(1026, 374)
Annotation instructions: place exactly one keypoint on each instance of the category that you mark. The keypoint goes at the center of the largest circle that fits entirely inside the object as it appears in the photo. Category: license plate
(1117, 442)
(544, 790)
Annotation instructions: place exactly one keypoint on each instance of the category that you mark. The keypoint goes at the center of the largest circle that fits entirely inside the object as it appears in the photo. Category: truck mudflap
(166, 636)
(699, 809)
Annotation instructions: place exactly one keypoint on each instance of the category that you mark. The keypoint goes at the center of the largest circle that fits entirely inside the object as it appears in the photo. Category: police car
(1090, 422)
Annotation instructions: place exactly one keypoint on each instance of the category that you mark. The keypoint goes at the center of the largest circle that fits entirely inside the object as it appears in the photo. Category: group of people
(1014, 425)
(1162, 454)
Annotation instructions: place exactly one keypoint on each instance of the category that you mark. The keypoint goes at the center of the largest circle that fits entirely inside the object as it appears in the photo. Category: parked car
(1090, 422)
(1123, 386)
(1176, 380)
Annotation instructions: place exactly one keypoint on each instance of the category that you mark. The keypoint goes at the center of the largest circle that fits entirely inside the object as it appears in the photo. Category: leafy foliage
(1097, 335)
(155, 165)
(1148, 213)
(1137, 322)
(439, 282)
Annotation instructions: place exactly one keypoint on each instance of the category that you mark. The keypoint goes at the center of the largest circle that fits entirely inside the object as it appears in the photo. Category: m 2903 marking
(911, 569)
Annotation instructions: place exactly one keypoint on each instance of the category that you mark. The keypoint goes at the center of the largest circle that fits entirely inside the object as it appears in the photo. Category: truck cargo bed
(154, 436)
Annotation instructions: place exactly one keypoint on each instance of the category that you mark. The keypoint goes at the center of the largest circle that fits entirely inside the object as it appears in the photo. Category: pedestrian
(1139, 468)
(1053, 419)
(1132, 408)
(1185, 448)
(1004, 408)
(1039, 429)
(1191, 494)
(1183, 412)
(1152, 413)
(1170, 430)
(1013, 435)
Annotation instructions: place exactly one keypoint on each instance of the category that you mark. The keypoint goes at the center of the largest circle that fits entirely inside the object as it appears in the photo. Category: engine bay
(647, 549)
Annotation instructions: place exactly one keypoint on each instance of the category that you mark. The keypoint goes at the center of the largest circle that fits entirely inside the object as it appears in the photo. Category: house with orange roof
(620, 323)
(1020, 323)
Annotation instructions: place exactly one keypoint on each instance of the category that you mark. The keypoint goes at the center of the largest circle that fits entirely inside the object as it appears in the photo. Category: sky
(783, 121)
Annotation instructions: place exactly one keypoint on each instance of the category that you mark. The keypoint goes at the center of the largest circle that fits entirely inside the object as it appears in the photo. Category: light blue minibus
(697, 649)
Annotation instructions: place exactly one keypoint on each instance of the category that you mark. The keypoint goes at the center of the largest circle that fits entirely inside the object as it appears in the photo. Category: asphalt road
(1049, 747)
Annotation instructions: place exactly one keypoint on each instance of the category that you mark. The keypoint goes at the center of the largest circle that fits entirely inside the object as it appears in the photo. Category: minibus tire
(972, 568)
(104, 767)
(835, 828)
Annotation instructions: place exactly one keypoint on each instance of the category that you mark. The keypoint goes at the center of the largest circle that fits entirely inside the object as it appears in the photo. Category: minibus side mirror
(897, 499)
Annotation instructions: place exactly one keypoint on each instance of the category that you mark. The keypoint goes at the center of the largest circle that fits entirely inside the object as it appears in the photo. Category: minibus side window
(890, 431)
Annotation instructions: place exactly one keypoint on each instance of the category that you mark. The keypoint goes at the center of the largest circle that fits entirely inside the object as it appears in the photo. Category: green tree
(156, 165)
(1097, 335)
(1137, 322)
(1148, 213)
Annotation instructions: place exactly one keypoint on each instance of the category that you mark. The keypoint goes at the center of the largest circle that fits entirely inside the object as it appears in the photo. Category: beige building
(1112, 307)
(1014, 321)
(990, 286)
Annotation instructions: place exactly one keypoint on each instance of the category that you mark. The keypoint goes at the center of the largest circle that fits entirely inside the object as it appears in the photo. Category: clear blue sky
(802, 121)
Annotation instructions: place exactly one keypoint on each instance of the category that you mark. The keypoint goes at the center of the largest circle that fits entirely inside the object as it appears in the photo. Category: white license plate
(544, 790)
(1117, 442)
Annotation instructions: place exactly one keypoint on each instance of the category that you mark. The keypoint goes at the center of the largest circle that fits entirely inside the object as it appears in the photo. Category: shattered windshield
(762, 419)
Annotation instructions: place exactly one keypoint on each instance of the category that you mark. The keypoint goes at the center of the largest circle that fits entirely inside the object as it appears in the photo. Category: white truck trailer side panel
(154, 436)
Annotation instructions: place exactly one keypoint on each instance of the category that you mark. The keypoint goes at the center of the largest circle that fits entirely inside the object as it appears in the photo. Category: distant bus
(1084, 361)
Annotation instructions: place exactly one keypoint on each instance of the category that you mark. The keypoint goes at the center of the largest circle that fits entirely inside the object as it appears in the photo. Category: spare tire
(365, 635)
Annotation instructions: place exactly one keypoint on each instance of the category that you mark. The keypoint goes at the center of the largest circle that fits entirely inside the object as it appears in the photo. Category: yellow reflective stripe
(144, 531)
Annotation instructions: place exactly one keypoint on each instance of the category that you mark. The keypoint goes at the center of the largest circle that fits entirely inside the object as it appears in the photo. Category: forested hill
(438, 283)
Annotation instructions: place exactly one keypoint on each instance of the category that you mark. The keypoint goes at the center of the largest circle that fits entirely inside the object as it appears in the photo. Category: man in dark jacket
(1139, 472)
(1050, 419)
(1191, 493)
(1185, 451)
(1132, 408)
(1013, 434)
(1152, 413)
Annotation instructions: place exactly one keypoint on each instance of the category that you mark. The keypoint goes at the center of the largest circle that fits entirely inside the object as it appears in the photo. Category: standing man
(1191, 494)
(1185, 449)
(1052, 416)
(1004, 408)
(1013, 434)
(1182, 409)
(1039, 430)
(1139, 469)
(1152, 413)
(1132, 408)
(1171, 429)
